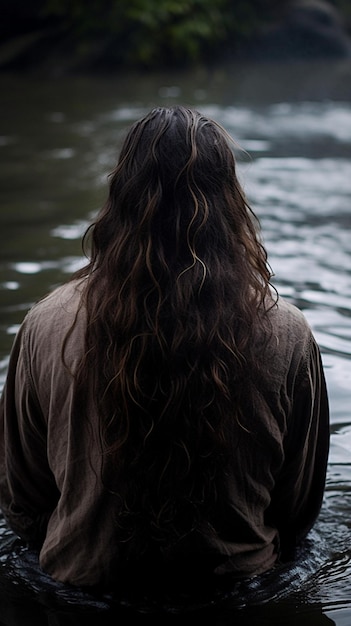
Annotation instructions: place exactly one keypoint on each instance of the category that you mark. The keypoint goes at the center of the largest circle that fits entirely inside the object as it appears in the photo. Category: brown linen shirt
(50, 487)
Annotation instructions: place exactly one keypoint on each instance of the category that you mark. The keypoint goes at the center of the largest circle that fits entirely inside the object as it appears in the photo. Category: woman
(165, 416)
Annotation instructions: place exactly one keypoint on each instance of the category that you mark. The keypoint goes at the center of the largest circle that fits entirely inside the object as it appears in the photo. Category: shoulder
(288, 320)
(292, 344)
(52, 316)
(63, 300)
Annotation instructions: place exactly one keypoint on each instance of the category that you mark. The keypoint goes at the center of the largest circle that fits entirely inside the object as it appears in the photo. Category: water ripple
(302, 120)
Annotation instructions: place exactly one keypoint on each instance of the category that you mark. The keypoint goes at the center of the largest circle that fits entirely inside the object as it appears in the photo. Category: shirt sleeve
(299, 489)
(28, 492)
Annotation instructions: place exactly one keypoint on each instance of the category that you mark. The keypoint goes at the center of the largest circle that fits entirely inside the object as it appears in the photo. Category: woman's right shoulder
(291, 332)
(288, 316)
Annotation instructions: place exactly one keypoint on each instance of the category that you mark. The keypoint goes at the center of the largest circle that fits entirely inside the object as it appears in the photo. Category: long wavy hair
(175, 291)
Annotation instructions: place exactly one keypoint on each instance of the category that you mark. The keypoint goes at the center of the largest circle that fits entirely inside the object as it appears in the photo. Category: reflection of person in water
(164, 418)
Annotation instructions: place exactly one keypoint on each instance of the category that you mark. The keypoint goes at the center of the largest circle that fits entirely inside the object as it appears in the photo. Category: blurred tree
(143, 31)
(91, 34)
(148, 32)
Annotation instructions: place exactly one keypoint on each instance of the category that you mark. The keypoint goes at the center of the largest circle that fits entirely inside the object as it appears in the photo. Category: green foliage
(177, 28)
(153, 33)
(148, 32)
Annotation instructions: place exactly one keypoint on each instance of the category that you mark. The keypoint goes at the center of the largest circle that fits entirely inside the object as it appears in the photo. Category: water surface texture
(58, 141)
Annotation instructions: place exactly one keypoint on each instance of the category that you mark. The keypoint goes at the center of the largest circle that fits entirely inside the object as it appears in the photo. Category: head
(176, 207)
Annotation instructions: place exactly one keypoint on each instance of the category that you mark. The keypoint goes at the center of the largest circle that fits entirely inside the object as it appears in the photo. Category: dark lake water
(58, 141)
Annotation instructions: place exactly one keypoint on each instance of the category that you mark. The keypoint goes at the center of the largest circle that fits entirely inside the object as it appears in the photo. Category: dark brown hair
(175, 291)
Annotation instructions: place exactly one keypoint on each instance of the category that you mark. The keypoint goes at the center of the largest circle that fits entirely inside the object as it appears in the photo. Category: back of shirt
(51, 487)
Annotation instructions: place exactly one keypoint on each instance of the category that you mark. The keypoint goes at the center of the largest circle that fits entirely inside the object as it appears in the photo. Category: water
(58, 141)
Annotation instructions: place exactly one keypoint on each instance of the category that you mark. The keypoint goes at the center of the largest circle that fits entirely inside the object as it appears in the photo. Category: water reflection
(269, 616)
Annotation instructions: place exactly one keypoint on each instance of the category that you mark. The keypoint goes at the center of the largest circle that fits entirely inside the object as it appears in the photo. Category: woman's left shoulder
(54, 313)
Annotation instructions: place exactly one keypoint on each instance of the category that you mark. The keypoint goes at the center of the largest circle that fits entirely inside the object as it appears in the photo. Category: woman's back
(177, 414)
